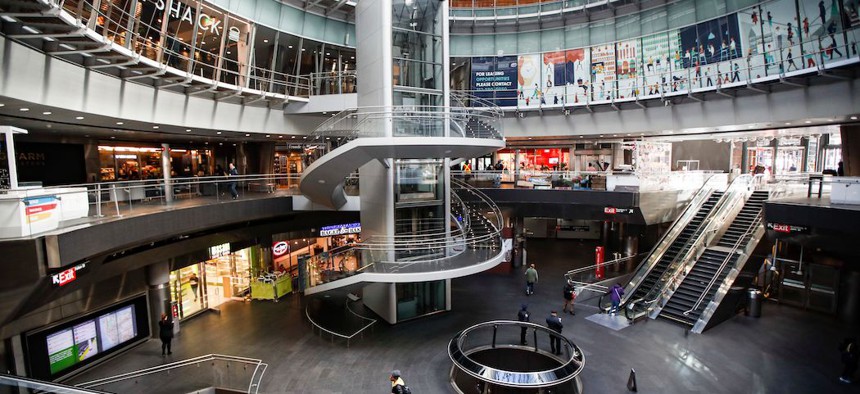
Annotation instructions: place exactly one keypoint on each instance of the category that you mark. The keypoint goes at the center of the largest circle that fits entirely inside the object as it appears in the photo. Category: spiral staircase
(467, 242)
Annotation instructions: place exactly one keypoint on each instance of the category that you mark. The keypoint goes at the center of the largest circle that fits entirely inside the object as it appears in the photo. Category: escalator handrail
(699, 198)
(698, 239)
(752, 228)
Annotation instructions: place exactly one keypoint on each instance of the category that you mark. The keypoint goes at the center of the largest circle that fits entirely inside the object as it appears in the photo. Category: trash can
(755, 302)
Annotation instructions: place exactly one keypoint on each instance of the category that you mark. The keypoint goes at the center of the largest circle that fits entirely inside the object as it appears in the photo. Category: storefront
(225, 276)
(124, 163)
(289, 162)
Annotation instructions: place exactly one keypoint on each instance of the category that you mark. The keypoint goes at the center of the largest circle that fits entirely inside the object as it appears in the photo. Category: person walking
(531, 279)
(615, 294)
(850, 355)
(569, 293)
(232, 172)
(194, 283)
(523, 316)
(397, 384)
(165, 332)
(553, 322)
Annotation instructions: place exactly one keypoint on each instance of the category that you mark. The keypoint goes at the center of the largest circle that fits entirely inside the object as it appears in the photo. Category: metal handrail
(716, 218)
(252, 386)
(570, 368)
(40, 386)
(347, 337)
(756, 222)
(666, 240)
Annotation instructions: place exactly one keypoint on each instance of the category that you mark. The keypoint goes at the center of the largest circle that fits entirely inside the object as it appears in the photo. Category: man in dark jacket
(850, 356)
(553, 322)
(523, 316)
(165, 332)
(232, 172)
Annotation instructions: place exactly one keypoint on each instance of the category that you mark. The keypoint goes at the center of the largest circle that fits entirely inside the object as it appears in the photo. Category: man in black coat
(553, 322)
(523, 316)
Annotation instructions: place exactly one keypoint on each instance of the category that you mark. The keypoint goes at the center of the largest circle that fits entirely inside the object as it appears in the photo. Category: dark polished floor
(788, 350)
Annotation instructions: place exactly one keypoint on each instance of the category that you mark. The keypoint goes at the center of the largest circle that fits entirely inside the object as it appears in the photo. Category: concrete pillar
(745, 159)
(165, 172)
(158, 280)
(631, 248)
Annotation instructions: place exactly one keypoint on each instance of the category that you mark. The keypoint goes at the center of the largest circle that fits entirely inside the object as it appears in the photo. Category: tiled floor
(786, 351)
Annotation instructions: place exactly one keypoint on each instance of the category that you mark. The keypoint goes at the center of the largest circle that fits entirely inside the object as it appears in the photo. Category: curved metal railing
(449, 241)
(505, 334)
(258, 368)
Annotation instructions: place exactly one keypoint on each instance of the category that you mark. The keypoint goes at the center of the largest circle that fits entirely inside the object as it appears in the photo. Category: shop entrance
(209, 284)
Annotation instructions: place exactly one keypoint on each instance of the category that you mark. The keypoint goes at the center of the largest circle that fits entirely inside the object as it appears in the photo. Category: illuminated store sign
(67, 276)
(219, 251)
(340, 229)
(184, 13)
(280, 248)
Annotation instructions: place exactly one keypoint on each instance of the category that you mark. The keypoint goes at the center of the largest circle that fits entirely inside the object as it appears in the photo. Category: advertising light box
(64, 348)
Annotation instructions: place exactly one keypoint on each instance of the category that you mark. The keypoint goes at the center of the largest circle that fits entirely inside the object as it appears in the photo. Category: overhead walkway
(98, 35)
(465, 243)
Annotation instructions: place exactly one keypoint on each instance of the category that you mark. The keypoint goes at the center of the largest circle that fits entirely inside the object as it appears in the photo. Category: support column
(745, 159)
(631, 248)
(165, 172)
(850, 149)
(158, 280)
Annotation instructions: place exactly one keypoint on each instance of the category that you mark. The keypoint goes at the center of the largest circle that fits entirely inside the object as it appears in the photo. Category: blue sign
(340, 229)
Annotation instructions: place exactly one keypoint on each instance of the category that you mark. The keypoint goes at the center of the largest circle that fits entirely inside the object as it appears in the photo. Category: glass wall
(199, 38)
(419, 299)
(208, 284)
(767, 41)
(124, 163)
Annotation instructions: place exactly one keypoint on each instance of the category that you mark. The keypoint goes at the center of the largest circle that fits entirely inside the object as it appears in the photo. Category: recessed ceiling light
(112, 137)
(268, 135)
(46, 113)
(264, 40)
(187, 130)
(79, 117)
(530, 137)
(829, 120)
(788, 123)
(601, 135)
(155, 127)
(325, 113)
(352, 57)
(615, 135)
(294, 137)
(808, 122)
(280, 136)
(218, 132)
(120, 123)
(290, 47)
(580, 136)
(303, 49)
(229, 53)
(2, 105)
(87, 135)
(24, 109)
(247, 135)
(852, 118)
(750, 126)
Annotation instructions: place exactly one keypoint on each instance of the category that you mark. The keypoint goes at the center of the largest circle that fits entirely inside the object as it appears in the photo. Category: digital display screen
(80, 341)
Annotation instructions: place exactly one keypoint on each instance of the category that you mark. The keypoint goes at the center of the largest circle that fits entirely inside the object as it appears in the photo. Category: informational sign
(495, 77)
(61, 350)
(86, 340)
(340, 229)
(787, 228)
(280, 248)
(41, 209)
(618, 211)
(67, 276)
(219, 250)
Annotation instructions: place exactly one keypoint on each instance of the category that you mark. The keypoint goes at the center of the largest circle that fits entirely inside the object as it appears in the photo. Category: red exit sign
(65, 277)
(614, 211)
(787, 228)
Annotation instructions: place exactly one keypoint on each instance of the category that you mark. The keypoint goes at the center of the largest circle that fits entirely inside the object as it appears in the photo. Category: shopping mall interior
(485, 196)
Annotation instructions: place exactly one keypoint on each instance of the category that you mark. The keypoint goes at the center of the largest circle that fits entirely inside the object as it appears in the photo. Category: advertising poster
(529, 92)
(602, 72)
(678, 81)
(86, 340)
(578, 74)
(61, 350)
(553, 77)
(778, 24)
(628, 65)
(751, 38)
(657, 63)
(819, 26)
(481, 68)
(506, 95)
(711, 42)
(494, 78)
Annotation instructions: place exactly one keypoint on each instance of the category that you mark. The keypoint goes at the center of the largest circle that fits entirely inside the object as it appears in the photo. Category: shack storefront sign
(340, 229)
(185, 13)
(787, 228)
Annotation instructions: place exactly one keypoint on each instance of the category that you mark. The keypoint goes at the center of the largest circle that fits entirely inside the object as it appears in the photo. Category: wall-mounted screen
(66, 347)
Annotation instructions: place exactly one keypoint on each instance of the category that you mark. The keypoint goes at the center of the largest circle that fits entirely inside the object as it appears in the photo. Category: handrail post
(99, 200)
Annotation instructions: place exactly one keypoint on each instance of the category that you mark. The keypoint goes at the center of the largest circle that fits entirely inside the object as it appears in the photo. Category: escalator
(678, 248)
(691, 303)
